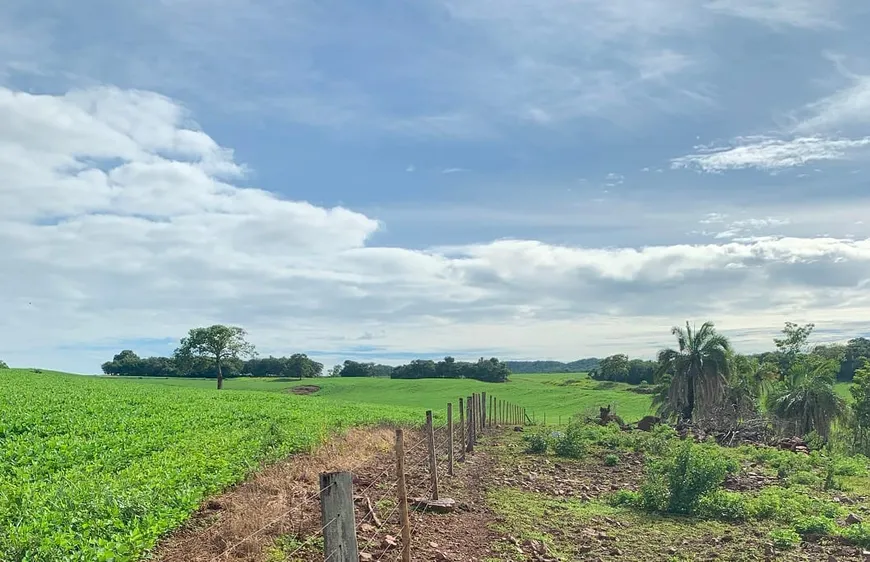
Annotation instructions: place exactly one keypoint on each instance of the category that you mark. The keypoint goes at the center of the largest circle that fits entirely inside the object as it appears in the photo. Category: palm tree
(699, 370)
(750, 381)
(806, 396)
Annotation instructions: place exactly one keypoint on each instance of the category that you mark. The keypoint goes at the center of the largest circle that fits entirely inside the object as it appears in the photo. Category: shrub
(815, 525)
(3, 365)
(850, 466)
(724, 505)
(625, 498)
(660, 439)
(571, 444)
(536, 443)
(785, 504)
(858, 535)
(785, 539)
(804, 478)
(611, 460)
(682, 479)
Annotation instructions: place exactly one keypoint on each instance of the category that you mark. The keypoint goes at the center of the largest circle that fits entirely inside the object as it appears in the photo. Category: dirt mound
(305, 389)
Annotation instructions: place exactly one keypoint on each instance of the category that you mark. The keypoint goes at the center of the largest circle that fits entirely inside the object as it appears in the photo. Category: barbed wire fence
(387, 501)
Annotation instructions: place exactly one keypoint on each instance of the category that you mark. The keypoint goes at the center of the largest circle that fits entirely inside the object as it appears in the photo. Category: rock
(442, 556)
(853, 519)
(365, 557)
(585, 548)
(367, 528)
(672, 551)
(832, 558)
(648, 422)
(389, 542)
(615, 552)
(443, 505)
(433, 545)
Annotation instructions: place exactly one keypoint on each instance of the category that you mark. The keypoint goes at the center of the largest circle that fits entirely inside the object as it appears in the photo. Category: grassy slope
(554, 395)
(96, 469)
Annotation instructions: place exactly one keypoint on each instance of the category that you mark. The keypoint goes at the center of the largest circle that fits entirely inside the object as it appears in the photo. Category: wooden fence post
(462, 432)
(450, 438)
(433, 462)
(469, 423)
(483, 411)
(403, 496)
(337, 516)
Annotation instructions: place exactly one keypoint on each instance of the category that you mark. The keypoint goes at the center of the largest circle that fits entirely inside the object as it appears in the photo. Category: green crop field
(96, 469)
(553, 395)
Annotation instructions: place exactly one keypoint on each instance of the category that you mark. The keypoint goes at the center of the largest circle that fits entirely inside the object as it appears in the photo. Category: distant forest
(534, 367)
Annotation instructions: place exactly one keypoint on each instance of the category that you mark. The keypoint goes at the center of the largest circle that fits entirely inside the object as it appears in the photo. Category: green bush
(858, 535)
(784, 504)
(805, 478)
(677, 482)
(571, 443)
(536, 443)
(850, 466)
(611, 460)
(3, 365)
(785, 539)
(625, 498)
(815, 525)
(724, 505)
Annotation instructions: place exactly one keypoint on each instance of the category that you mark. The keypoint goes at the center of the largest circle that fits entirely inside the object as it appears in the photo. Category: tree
(218, 344)
(699, 369)
(750, 380)
(356, 369)
(793, 342)
(860, 391)
(335, 371)
(857, 356)
(806, 397)
(301, 367)
(126, 363)
(613, 368)
(3, 364)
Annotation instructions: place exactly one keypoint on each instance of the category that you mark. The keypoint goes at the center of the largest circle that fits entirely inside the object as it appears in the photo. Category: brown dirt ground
(304, 389)
(275, 515)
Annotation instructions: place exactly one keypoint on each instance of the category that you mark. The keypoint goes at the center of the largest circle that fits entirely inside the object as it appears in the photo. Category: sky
(545, 179)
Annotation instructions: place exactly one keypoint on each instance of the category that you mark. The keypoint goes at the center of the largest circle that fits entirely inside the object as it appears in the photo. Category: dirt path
(275, 515)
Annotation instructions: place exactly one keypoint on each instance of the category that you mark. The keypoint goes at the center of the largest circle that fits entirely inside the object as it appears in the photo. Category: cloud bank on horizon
(547, 179)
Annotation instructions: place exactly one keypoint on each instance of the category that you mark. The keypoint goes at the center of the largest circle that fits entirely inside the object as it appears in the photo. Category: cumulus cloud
(771, 154)
(119, 220)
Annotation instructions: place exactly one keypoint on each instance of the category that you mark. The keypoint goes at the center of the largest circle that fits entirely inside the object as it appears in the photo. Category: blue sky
(541, 179)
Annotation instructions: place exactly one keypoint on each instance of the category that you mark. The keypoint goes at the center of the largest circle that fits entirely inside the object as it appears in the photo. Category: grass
(566, 526)
(97, 469)
(556, 396)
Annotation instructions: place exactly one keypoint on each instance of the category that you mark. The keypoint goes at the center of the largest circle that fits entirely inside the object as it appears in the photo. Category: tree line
(535, 367)
(223, 351)
(849, 357)
(487, 370)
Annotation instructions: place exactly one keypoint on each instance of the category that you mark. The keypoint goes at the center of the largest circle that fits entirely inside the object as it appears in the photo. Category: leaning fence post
(337, 516)
(433, 462)
(450, 438)
(462, 434)
(403, 496)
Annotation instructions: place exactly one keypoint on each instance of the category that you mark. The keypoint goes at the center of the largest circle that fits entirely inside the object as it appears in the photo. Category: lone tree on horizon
(217, 343)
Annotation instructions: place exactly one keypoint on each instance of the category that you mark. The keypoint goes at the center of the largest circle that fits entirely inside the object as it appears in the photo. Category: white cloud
(809, 14)
(453, 170)
(767, 153)
(845, 109)
(118, 222)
